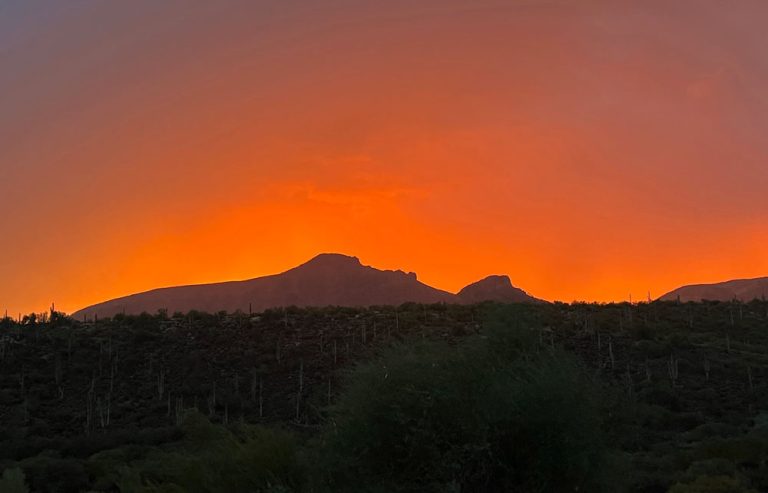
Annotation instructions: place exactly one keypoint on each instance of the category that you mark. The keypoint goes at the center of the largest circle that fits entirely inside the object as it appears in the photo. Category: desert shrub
(711, 484)
(12, 481)
(21, 447)
(491, 415)
(677, 341)
(210, 459)
(49, 473)
(104, 467)
(87, 445)
(746, 450)
(710, 430)
(644, 332)
(660, 418)
(651, 348)
(660, 394)
(711, 467)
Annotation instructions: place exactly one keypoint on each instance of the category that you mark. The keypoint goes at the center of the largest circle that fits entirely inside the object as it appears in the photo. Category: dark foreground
(527, 398)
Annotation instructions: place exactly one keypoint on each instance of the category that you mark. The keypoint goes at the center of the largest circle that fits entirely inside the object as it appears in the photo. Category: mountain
(738, 289)
(328, 279)
(494, 288)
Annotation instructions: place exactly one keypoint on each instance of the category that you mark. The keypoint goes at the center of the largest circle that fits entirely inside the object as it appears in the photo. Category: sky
(589, 149)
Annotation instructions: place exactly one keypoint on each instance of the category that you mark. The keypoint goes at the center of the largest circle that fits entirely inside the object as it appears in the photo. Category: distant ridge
(737, 289)
(327, 279)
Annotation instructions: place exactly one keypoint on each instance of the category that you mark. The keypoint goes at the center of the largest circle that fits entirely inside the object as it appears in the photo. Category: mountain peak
(496, 280)
(332, 260)
(494, 288)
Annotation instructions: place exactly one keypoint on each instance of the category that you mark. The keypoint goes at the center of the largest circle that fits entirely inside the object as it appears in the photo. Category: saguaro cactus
(254, 380)
(261, 397)
(630, 383)
(161, 383)
(610, 353)
(599, 342)
(58, 373)
(300, 390)
(179, 410)
(673, 369)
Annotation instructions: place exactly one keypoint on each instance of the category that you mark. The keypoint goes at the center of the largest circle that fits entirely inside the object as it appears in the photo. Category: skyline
(587, 151)
(632, 299)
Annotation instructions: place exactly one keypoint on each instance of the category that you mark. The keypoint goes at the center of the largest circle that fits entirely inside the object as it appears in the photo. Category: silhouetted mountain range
(327, 279)
(738, 289)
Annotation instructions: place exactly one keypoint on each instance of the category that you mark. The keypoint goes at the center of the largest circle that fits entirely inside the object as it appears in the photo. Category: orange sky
(588, 149)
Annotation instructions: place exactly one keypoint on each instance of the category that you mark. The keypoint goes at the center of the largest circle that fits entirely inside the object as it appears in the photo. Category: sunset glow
(590, 150)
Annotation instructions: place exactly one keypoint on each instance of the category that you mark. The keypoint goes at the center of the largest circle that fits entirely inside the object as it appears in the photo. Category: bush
(12, 481)
(55, 474)
(212, 459)
(711, 484)
(492, 415)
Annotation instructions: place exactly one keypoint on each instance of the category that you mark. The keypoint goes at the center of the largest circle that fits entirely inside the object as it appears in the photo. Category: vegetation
(434, 418)
(649, 397)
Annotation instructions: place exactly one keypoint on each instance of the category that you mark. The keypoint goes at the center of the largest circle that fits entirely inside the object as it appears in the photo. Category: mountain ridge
(326, 279)
(734, 289)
